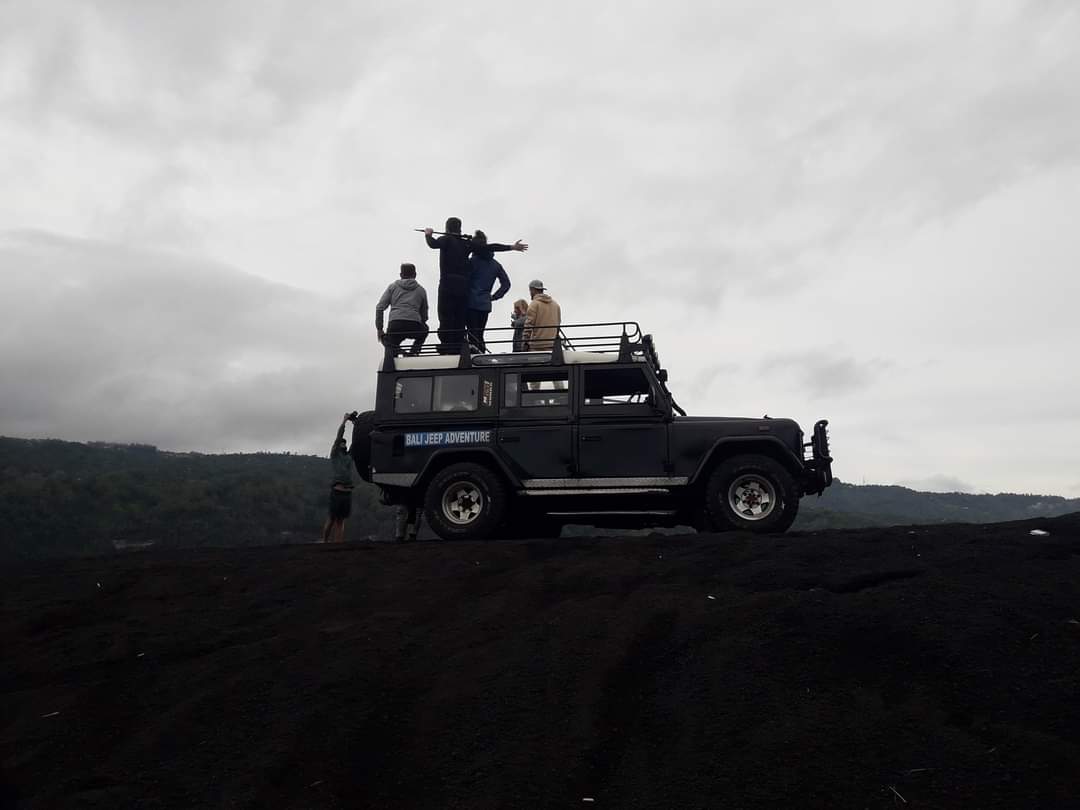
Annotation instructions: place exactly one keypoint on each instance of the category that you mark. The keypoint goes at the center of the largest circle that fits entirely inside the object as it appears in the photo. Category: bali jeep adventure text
(519, 444)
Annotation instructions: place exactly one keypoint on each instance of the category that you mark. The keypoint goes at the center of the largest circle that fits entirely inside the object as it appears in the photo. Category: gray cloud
(118, 344)
(843, 211)
(823, 373)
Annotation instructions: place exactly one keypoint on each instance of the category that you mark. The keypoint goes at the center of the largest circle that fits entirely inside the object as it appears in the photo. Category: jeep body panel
(697, 442)
(572, 433)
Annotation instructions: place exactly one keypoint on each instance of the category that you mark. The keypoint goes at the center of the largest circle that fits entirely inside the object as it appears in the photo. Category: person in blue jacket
(454, 251)
(484, 271)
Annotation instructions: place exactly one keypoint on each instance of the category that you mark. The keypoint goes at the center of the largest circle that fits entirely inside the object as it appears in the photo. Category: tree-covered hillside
(61, 498)
(64, 498)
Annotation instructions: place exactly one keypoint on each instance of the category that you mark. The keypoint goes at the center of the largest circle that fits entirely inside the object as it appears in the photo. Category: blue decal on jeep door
(445, 438)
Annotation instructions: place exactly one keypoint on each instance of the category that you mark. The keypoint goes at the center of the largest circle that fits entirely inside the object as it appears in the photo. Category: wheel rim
(752, 497)
(462, 503)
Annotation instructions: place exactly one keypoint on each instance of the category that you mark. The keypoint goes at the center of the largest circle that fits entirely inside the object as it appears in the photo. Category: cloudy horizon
(862, 212)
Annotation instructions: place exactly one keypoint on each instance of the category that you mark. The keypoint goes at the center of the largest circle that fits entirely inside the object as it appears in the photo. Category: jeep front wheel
(752, 493)
(465, 502)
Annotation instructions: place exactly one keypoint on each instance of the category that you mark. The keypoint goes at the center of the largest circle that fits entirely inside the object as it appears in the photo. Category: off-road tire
(751, 493)
(360, 449)
(791, 511)
(455, 492)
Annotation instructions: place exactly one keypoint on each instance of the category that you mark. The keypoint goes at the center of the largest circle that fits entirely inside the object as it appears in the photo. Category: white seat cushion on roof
(577, 358)
(432, 361)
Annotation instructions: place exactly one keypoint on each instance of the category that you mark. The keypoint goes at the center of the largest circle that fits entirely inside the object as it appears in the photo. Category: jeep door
(621, 431)
(534, 433)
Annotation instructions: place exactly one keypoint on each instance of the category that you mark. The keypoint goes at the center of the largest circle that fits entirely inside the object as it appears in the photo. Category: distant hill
(62, 498)
(851, 506)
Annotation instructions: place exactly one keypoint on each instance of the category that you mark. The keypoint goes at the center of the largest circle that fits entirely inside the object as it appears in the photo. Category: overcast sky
(856, 210)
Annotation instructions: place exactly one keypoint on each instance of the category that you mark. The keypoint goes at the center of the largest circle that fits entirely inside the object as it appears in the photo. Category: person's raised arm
(504, 282)
(340, 435)
(499, 247)
(431, 240)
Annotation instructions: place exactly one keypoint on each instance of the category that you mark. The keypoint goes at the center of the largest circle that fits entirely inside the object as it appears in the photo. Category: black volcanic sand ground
(811, 670)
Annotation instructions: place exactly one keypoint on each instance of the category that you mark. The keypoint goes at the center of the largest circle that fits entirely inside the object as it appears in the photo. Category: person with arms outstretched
(485, 271)
(454, 250)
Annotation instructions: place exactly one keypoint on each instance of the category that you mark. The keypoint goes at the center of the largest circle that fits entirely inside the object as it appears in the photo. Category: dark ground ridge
(940, 664)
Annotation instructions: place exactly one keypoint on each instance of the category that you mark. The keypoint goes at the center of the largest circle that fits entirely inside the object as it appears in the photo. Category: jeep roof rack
(609, 342)
(581, 343)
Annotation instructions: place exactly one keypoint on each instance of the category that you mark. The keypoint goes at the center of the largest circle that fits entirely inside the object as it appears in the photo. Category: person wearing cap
(408, 305)
(542, 319)
(454, 250)
(484, 272)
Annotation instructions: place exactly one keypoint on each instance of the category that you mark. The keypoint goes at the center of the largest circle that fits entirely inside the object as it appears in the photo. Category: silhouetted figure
(454, 250)
(340, 506)
(484, 272)
(407, 523)
(408, 305)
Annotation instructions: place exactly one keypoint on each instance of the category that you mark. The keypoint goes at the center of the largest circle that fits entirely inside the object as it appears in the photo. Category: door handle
(590, 438)
(509, 439)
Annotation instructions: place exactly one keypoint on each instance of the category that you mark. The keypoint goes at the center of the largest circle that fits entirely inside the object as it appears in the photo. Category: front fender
(734, 445)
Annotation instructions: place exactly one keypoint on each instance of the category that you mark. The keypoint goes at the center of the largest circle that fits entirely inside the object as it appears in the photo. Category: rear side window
(536, 389)
(616, 386)
(412, 395)
(457, 392)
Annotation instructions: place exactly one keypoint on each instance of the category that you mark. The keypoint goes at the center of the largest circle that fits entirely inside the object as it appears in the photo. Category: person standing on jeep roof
(408, 305)
(454, 250)
(341, 488)
(517, 321)
(484, 272)
(542, 320)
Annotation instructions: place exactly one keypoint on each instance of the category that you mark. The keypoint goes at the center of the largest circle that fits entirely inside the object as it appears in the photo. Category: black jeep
(518, 444)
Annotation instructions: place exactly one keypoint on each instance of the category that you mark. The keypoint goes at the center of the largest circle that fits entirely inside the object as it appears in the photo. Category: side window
(412, 395)
(605, 387)
(456, 392)
(536, 389)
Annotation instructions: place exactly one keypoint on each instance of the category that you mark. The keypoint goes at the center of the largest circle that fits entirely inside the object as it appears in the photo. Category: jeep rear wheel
(752, 493)
(465, 502)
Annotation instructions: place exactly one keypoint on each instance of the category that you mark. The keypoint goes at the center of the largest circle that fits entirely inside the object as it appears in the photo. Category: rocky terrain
(901, 667)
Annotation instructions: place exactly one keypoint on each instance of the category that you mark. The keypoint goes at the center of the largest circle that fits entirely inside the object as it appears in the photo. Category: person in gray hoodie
(408, 305)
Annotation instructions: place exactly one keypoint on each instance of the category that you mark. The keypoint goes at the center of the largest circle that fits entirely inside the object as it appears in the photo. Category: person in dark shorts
(340, 506)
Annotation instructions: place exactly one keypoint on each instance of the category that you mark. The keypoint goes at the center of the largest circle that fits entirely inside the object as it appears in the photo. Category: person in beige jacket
(542, 319)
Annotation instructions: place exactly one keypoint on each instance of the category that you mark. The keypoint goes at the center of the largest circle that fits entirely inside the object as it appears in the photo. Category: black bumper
(818, 467)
